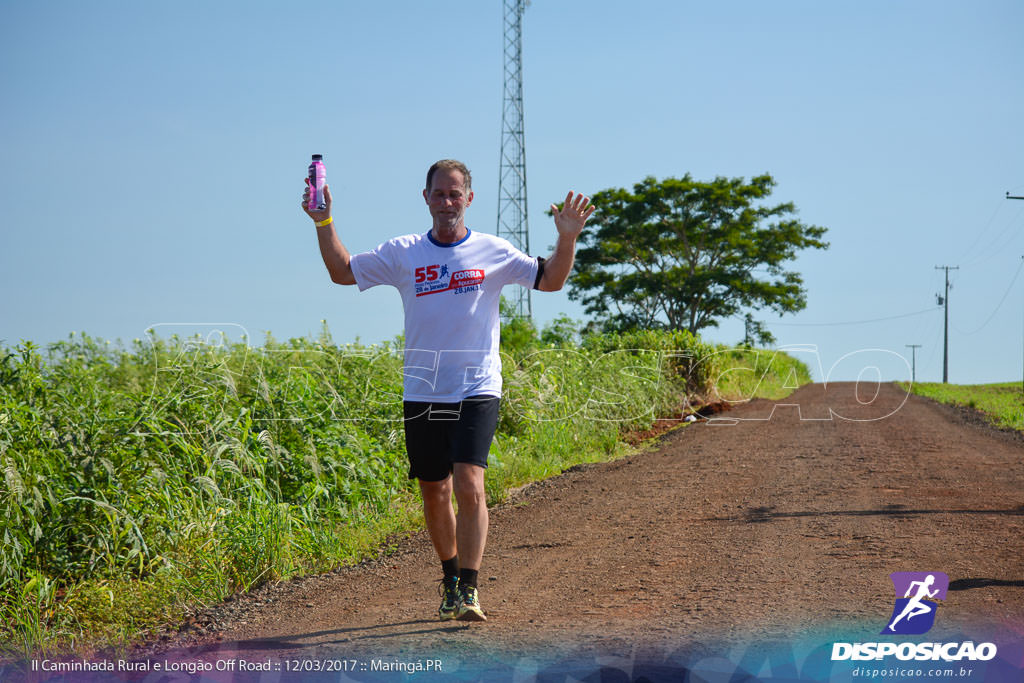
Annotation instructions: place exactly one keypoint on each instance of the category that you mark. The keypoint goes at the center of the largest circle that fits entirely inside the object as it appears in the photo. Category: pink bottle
(317, 180)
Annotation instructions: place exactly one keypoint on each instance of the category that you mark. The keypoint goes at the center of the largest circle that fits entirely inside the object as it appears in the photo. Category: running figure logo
(914, 612)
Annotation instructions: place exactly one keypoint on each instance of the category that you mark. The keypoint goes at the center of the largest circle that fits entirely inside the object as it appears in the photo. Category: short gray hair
(450, 165)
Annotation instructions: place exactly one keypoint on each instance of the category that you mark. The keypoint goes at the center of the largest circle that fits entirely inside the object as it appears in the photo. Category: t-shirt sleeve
(377, 267)
(522, 269)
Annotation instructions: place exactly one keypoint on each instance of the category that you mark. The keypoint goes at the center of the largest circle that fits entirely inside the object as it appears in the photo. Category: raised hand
(570, 219)
(314, 214)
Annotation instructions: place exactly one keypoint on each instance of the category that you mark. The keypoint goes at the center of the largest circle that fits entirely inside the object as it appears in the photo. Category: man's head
(449, 165)
(448, 194)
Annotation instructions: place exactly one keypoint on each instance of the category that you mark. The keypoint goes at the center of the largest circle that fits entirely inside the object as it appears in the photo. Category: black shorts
(440, 434)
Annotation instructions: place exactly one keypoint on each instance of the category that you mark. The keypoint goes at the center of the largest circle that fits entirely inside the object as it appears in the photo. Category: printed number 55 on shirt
(427, 273)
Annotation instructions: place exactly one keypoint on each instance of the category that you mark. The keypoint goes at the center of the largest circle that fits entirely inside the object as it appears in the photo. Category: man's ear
(469, 200)
(425, 197)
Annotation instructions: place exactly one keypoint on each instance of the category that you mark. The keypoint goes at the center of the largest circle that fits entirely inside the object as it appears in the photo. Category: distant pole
(945, 340)
(913, 361)
(1010, 196)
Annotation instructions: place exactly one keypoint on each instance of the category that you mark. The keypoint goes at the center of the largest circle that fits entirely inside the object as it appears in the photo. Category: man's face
(448, 199)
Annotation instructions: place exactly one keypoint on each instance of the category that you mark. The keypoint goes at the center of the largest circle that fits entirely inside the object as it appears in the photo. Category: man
(450, 279)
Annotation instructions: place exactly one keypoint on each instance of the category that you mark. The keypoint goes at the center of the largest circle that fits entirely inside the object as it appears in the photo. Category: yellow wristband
(327, 221)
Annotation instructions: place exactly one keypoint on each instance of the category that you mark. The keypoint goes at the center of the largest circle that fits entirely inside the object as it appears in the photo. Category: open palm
(570, 219)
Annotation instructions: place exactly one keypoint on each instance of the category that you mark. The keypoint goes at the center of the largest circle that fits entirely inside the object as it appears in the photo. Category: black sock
(467, 577)
(450, 567)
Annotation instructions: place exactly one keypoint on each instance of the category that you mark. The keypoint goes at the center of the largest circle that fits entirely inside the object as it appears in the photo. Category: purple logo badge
(917, 599)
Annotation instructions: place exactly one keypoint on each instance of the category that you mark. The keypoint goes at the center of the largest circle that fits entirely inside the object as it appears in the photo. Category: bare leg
(472, 520)
(440, 516)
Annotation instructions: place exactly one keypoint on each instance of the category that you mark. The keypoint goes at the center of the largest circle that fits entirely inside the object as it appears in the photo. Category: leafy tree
(754, 331)
(684, 254)
(562, 331)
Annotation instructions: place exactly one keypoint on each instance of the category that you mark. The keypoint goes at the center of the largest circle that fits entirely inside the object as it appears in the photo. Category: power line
(998, 245)
(968, 253)
(998, 306)
(855, 322)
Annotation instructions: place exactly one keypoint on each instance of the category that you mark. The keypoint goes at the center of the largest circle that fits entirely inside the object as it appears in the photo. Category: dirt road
(774, 526)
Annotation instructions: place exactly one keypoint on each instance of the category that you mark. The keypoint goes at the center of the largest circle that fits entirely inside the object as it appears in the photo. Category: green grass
(746, 373)
(139, 483)
(1003, 403)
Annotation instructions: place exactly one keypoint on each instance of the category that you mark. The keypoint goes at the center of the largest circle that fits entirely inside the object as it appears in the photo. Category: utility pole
(913, 361)
(945, 339)
(1010, 196)
(512, 214)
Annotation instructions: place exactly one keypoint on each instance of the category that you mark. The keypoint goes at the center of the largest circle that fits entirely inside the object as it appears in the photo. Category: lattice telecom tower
(512, 221)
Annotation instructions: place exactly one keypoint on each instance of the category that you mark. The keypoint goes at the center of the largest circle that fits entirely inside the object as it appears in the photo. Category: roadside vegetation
(140, 482)
(1003, 403)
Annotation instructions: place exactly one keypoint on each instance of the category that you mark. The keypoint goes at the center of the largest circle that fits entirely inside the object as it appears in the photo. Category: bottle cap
(318, 157)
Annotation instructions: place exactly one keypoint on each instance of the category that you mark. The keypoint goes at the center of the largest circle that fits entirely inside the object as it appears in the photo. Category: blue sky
(153, 153)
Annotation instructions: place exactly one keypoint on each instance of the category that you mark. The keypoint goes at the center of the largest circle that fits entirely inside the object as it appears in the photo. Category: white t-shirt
(450, 293)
